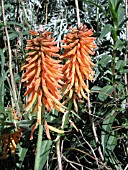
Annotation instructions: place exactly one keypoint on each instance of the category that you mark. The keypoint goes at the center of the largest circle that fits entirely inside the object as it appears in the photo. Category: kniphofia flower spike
(78, 46)
(43, 73)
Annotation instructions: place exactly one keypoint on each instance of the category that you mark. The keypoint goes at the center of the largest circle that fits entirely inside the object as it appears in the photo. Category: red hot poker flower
(43, 74)
(78, 68)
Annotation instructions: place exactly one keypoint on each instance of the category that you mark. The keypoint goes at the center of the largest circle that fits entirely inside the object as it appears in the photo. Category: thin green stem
(58, 143)
(39, 143)
(113, 69)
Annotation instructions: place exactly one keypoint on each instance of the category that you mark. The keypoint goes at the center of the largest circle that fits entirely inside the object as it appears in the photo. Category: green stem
(64, 122)
(113, 68)
(39, 143)
(65, 116)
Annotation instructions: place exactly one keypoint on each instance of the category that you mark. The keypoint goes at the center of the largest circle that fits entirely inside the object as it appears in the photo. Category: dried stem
(10, 60)
(93, 127)
(86, 153)
(90, 148)
(58, 143)
(77, 12)
(58, 152)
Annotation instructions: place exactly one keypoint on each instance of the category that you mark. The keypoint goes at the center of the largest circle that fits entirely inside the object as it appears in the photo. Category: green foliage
(108, 97)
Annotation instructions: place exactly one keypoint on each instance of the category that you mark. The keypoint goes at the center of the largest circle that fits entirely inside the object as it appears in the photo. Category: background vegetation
(102, 140)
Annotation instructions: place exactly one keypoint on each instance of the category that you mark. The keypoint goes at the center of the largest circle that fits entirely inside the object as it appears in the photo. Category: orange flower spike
(78, 44)
(43, 73)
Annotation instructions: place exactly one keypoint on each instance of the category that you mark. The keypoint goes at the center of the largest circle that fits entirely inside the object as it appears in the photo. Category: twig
(90, 157)
(90, 147)
(58, 152)
(93, 127)
(10, 61)
(64, 122)
(72, 161)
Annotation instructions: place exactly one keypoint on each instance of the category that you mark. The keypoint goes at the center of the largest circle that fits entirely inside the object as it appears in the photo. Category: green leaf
(21, 154)
(120, 64)
(119, 45)
(118, 2)
(107, 28)
(106, 128)
(2, 61)
(105, 60)
(2, 94)
(17, 77)
(120, 15)
(96, 88)
(44, 152)
(13, 35)
(105, 92)
(15, 23)
(25, 123)
(114, 14)
(120, 87)
(112, 141)
(108, 79)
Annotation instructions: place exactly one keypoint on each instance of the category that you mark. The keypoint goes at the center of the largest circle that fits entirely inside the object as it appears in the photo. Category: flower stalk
(39, 143)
